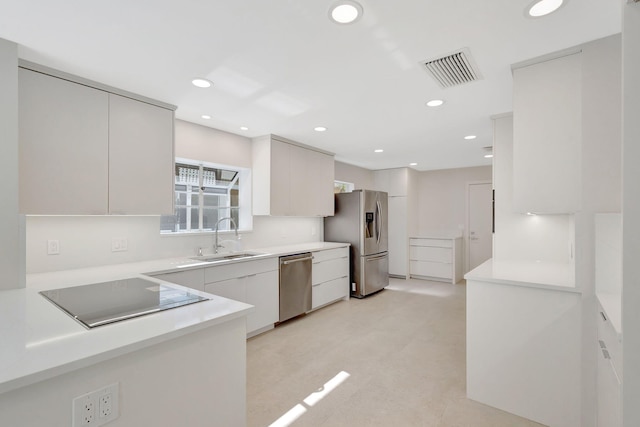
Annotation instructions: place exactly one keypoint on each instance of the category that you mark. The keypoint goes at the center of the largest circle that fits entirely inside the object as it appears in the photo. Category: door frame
(466, 235)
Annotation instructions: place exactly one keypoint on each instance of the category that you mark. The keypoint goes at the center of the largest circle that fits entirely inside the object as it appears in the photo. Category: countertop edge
(485, 273)
(72, 365)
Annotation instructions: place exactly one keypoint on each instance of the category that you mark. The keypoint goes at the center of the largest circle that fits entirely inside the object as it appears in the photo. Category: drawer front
(328, 270)
(607, 334)
(320, 256)
(239, 269)
(234, 289)
(440, 243)
(431, 269)
(190, 278)
(329, 291)
(429, 253)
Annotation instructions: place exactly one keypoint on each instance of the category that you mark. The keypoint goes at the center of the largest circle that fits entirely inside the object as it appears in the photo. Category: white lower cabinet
(436, 259)
(329, 276)
(254, 282)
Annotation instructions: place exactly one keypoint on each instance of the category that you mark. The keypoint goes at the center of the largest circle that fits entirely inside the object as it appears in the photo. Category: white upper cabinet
(290, 179)
(547, 111)
(140, 157)
(86, 151)
(394, 181)
(64, 130)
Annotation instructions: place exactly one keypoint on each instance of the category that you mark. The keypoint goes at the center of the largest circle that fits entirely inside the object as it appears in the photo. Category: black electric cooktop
(102, 303)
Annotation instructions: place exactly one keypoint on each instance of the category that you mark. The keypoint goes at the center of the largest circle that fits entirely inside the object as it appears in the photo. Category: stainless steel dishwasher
(295, 285)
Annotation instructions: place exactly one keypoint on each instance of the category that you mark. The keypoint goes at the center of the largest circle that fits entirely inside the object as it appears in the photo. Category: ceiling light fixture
(435, 103)
(319, 128)
(541, 8)
(379, 150)
(468, 137)
(413, 164)
(345, 12)
(244, 128)
(200, 82)
(488, 156)
(206, 116)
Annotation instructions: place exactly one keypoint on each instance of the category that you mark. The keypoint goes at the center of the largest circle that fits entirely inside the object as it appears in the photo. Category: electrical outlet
(119, 244)
(53, 247)
(96, 408)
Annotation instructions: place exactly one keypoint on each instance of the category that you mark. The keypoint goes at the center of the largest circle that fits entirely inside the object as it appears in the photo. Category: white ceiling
(282, 67)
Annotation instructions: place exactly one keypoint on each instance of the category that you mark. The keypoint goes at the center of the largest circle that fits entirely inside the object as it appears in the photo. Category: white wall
(12, 260)
(442, 198)
(631, 214)
(362, 178)
(86, 240)
(519, 237)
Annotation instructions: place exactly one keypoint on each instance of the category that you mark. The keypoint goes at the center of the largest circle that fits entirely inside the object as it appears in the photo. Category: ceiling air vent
(454, 69)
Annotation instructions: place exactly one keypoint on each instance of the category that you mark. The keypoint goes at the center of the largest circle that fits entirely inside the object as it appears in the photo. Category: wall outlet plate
(53, 247)
(119, 244)
(96, 408)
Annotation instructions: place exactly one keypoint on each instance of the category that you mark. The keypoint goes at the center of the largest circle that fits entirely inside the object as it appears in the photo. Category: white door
(480, 209)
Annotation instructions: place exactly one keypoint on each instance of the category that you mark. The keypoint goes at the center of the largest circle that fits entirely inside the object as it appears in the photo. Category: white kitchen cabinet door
(141, 157)
(262, 292)
(395, 182)
(290, 179)
(64, 146)
(398, 241)
(234, 289)
(312, 176)
(547, 122)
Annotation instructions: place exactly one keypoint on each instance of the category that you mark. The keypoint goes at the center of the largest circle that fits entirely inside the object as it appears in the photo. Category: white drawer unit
(329, 276)
(436, 259)
(254, 282)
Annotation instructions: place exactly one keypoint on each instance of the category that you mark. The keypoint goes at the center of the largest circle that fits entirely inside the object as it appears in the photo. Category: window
(343, 187)
(205, 193)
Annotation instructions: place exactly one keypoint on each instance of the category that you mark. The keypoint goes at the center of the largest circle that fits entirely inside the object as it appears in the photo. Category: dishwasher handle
(296, 260)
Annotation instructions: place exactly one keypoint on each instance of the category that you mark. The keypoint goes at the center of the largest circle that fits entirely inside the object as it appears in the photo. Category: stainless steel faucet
(235, 227)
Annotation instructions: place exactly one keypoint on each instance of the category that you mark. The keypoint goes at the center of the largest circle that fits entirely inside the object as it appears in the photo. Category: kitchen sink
(227, 257)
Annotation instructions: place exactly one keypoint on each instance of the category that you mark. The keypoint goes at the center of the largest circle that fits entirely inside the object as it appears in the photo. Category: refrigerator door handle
(378, 221)
(376, 258)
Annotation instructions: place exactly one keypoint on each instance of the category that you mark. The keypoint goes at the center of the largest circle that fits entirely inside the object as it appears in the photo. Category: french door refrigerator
(361, 220)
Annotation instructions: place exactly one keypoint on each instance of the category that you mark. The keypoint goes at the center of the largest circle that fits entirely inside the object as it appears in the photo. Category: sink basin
(226, 257)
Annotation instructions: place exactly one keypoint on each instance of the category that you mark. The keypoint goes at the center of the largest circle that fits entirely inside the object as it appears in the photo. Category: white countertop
(39, 341)
(543, 275)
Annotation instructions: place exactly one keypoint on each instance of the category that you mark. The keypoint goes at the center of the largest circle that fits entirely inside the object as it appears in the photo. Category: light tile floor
(396, 358)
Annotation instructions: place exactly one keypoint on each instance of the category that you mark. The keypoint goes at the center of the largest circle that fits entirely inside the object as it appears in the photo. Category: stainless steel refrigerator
(361, 220)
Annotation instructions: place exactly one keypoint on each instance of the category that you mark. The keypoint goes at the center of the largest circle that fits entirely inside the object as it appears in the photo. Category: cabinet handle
(602, 344)
(604, 317)
(605, 353)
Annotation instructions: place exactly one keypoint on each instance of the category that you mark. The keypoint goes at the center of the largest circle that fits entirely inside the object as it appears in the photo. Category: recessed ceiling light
(543, 7)
(345, 12)
(319, 128)
(244, 128)
(413, 164)
(199, 82)
(488, 156)
(379, 150)
(470, 137)
(435, 103)
(206, 116)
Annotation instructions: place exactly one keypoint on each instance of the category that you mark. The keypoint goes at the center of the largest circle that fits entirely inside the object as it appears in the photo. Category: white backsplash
(85, 241)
